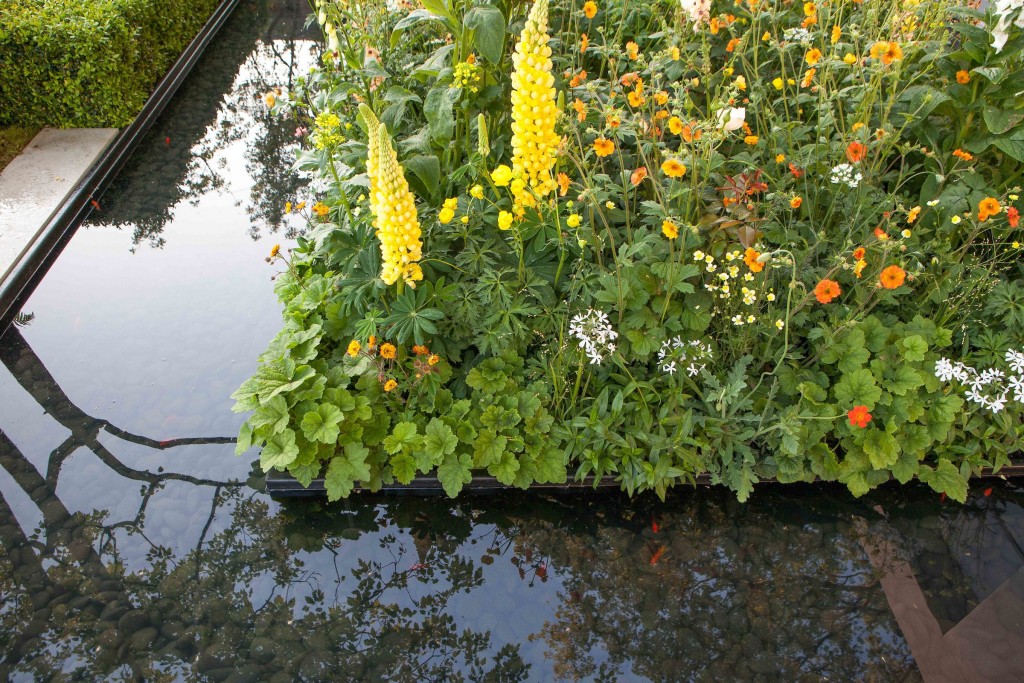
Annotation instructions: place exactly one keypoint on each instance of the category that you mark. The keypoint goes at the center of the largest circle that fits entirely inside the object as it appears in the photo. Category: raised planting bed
(752, 242)
(284, 485)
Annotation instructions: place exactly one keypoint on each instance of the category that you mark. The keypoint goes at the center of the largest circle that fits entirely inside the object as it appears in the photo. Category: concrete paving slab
(37, 181)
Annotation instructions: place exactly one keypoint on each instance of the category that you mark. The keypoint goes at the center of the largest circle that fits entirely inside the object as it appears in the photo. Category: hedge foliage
(89, 63)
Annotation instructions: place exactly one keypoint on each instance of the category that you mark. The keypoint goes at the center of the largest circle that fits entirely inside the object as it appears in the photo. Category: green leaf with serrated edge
(454, 473)
(322, 424)
(439, 441)
(905, 467)
(272, 417)
(945, 478)
(403, 435)
(551, 466)
(914, 348)
(857, 388)
(280, 451)
(305, 474)
(404, 468)
(488, 447)
(244, 441)
(881, 448)
(345, 470)
(504, 469)
(903, 380)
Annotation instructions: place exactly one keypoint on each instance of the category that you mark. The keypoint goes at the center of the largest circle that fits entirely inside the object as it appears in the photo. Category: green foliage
(93, 63)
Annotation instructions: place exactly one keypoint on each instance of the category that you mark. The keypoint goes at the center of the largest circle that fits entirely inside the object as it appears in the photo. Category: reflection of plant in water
(719, 590)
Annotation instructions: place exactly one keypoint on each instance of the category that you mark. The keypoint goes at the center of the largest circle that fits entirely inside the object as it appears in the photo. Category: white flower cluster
(699, 10)
(595, 334)
(797, 35)
(989, 388)
(1008, 11)
(845, 173)
(676, 354)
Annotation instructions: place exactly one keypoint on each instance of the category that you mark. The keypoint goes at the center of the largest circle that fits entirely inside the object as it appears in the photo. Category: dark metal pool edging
(50, 240)
(283, 485)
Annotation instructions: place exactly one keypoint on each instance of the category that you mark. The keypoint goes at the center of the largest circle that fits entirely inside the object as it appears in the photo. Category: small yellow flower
(603, 147)
(353, 348)
(955, 220)
(589, 9)
(913, 214)
(476, 192)
(609, 204)
(275, 250)
(963, 77)
(850, 58)
(287, 207)
(766, 36)
(674, 54)
(388, 350)
(464, 220)
(780, 158)
(321, 209)
(777, 83)
(741, 82)
(813, 56)
(837, 31)
(906, 233)
(670, 229)
(452, 203)
(434, 359)
(573, 221)
(504, 220)
(750, 140)
(501, 176)
(857, 126)
(675, 124)
(390, 385)
(445, 216)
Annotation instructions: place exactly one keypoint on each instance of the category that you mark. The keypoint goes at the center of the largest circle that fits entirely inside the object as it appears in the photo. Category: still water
(137, 547)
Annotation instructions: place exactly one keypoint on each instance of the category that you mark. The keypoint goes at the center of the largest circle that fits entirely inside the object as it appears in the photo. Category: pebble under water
(138, 547)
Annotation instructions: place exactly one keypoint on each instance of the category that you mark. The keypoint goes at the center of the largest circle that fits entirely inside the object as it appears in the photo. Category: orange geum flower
(578, 79)
(661, 97)
(390, 385)
(750, 140)
(1013, 216)
(628, 79)
(632, 50)
(813, 56)
(353, 348)
(638, 176)
(603, 147)
(691, 132)
(589, 9)
(827, 290)
(750, 257)
(888, 52)
(733, 44)
(636, 96)
(584, 42)
(988, 207)
(673, 168)
(960, 154)
(796, 171)
(808, 78)
(837, 31)
(963, 77)
(858, 253)
(881, 235)
(563, 184)
(669, 229)
(613, 120)
(892, 277)
(675, 124)
(859, 416)
(581, 109)
(796, 202)
(913, 214)
(388, 350)
(855, 152)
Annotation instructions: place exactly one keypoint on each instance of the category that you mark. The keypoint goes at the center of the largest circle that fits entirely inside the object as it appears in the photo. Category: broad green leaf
(305, 474)
(857, 388)
(403, 435)
(404, 468)
(322, 424)
(904, 380)
(244, 441)
(488, 448)
(1001, 120)
(454, 473)
(914, 348)
(438, 111)
(427, 168)
(504, 468)
(488, 26)
(551, 466)
(945, 478)
(345, 469)
(881, 448)
(905, 468)
(280, 451)
(272, 417)
(439, 441)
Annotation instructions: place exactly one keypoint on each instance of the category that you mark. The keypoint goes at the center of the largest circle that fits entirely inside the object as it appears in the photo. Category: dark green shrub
(70, 63)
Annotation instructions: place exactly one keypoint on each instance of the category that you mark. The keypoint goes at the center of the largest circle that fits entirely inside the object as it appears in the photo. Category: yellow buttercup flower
(777, 83)
(504, 220)
(445, 216)
(501, 176)
(476, 192)
(669, 229)
(573, 221)
(393, 207)
(837, 32)
(534, 141)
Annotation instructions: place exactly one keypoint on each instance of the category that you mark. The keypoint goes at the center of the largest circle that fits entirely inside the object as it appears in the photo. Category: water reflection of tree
(181, 159)
(241, 600)
(734, 593)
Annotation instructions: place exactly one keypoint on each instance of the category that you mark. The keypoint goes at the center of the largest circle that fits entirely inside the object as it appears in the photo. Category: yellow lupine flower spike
(534, 141)
(394, 209)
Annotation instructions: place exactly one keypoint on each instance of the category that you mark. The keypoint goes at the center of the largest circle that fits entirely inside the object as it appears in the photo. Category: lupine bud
(483, 146)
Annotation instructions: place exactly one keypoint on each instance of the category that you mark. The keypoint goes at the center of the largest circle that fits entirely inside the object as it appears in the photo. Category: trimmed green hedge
(88, 63)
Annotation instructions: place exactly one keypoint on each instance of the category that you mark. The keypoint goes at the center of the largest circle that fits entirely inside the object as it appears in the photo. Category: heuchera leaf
(454, 473)
(280, 451)
(945, 478)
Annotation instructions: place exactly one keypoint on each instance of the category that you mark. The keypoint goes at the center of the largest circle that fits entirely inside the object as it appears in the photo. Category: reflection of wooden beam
(985, 646)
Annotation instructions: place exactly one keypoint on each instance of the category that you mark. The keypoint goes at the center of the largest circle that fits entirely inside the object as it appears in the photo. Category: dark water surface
(137, 547)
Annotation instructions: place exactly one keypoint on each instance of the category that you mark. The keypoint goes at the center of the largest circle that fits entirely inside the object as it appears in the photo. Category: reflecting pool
(137, 547)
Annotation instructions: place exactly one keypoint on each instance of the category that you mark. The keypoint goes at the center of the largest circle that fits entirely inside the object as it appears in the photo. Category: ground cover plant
(649, 240)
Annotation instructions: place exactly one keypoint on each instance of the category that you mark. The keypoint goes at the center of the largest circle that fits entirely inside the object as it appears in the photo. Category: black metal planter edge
(284, 485)
(51, 239)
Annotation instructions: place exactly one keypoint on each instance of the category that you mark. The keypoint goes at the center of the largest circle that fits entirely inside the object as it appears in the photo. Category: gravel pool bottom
(136, 546)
